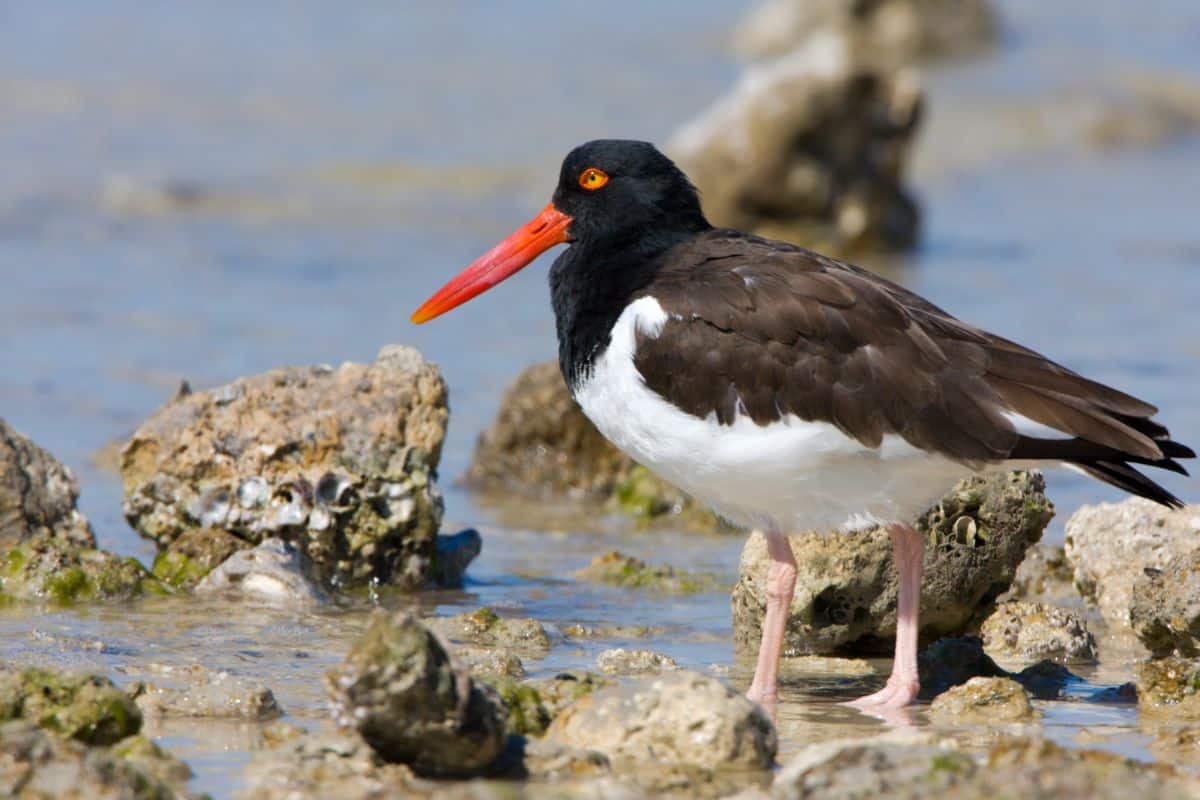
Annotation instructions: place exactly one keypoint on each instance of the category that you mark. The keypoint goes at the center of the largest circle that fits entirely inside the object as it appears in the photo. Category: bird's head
(610, 191)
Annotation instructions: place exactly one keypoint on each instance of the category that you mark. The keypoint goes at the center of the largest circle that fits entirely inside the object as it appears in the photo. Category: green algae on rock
(1169, 687)
(983, 700)
(194, 554)
(483, 626)
(84, 707)
(618, 569)
(45, 568)
(527, 715)
(340, 462)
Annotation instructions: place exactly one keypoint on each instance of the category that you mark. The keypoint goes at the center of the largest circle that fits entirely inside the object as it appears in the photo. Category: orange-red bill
(503, 261)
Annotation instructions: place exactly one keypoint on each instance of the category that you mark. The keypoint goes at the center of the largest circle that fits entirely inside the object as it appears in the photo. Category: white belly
(788, 475)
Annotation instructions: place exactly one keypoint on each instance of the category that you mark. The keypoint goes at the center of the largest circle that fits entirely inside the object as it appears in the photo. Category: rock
(982, 701)
(205, 693)
(274, 572)
(1044, 576)
(527, 715)
(844, 667)
(453, 555)
(88, 708)
(627, 572)
(845, 600)
(811, 148)
(543, 760)
(342, 766)
(952, 662)
(1169, 687)
(919, 768)
(484, 627)
(37, 495)
(1178, 745)
(1031, 631)
(47, 567)
(400, 690)
(566, 687)
(1165, 610)
(887, 31)
(38, 764)
(339, 462)
(487, 661)
(680, 718)
(1110, 545)
(620, 661)
(195, 554)
(582, 631)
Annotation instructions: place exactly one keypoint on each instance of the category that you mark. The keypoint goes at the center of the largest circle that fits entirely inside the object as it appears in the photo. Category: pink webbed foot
(897, 693)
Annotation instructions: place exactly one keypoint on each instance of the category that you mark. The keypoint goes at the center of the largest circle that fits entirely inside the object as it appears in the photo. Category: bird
(789, 390)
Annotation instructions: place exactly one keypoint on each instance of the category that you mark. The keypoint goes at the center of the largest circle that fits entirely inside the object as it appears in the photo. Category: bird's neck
(591, 283)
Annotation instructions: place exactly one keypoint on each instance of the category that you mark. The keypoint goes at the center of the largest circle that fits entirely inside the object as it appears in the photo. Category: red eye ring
(593, 178)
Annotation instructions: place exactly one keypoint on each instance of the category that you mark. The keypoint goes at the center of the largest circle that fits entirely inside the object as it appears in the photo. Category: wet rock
(527, 715)
(1044, 576)
(1032, 631)
(273, 572)
(845, 600)
(920, 768)
(485, 627)
(1109, 546)
(37, 764)
(810, 147)
(547, 761)
(617, 569)
(844, 667)
(342, 766)
(677, 718)
(37, 495)
(1165, 610)
(888, 31)
(53, 569)
(620, 661)
(582, 631)
(400, 690)
(1046, 680)
(1169, 687)
(981, 701)
(195, 554)
(88, 708)
(201, 692)
(453, 555)
(566, 687)
(339, 462)
(486, 661)
(952, 662)
(1178, 745)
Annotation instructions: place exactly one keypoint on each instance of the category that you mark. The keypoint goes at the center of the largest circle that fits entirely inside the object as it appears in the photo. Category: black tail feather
(1123, 476)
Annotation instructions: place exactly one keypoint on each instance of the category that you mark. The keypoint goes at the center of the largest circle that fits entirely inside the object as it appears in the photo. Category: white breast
(788, 475)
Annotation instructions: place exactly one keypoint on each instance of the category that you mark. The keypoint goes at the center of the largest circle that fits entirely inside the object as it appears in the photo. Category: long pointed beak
(503, 261)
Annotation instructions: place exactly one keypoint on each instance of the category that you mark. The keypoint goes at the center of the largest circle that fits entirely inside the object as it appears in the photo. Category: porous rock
(681, 718)
(49, 568)
(38, 495)
(340, 462)
(196, 691)
(618, 569)
(1110, 545)
(810, 147)
(194, 554)
(1044, 576)
(323, 765)
(88, 708)
(1032, 631)
(564, 688)
(485, 627)
(1165, 613)
(982, 700)
(274, 572)
(402, 692)
(619, 661)
(845, 598)
(1169, 687)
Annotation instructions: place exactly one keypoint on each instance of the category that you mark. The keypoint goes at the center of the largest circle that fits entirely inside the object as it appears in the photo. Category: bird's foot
(768, 700)
(897, 693)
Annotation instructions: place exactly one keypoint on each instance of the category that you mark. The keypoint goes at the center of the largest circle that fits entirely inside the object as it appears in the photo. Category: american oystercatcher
(788, 390)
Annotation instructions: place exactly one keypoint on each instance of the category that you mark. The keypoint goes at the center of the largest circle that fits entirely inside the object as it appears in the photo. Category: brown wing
(766, 329)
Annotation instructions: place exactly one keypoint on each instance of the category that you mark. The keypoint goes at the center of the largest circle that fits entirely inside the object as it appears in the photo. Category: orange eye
(592, 178)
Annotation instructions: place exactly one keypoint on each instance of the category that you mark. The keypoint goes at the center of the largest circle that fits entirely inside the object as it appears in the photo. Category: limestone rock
(342, 766)
(983, 700)
(1165, 613)
(951, 662)
(1110, 545)
(50, 568)
(400, 690)
(617, 569)
(565, 688)
(811, 148)
(274, 572)
(1169, 687)
(845, 599)
(620, 661)
(454, 553)
(676, 718)
(1033, 631)
(196, 691)
(88, 708)
(485, 627)
(37, 495)
(195, 554)
(340, 462)
(1044, 576)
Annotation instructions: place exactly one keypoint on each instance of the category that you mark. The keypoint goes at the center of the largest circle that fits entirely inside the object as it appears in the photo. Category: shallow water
(208, 192)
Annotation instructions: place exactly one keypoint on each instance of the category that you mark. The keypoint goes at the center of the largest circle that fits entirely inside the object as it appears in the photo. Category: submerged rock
(88, 708)
(620, 661)
(887, 31)
(983, 700)
(1165, 613)
(617, 569)
(1169, 687)
(454, 554)
(339, 462)
(204, 693)
(810, 147)
(274, 572)
(566, 687)
(1033, 631)
(1110, 546)
(38, 495)
(195, 554)
(680, 718)
(401, 691)
(845, 599)
(50, 568)
(952, 662)
(485, 627)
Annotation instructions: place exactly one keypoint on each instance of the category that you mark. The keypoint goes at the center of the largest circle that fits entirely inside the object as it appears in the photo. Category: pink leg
(781, 581)
(908, 551)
